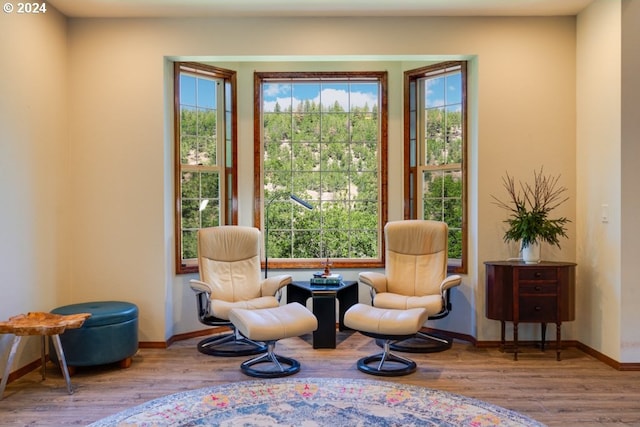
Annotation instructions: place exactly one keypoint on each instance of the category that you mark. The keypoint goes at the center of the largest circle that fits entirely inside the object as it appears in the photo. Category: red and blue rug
(312, 402)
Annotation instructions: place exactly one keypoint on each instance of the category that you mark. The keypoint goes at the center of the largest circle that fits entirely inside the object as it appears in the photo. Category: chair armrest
(271, 285)
(377, 281)
(200, 287)
(450, 282)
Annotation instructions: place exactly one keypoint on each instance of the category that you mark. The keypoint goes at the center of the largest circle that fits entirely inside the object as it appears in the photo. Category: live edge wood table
(43, 324)
(541, 293)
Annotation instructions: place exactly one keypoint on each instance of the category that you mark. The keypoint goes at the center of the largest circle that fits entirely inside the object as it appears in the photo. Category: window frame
(304, 263)
(227, 160)
(412, 157)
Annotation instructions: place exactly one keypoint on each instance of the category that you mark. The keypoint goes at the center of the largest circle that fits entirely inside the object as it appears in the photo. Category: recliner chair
(229, 262)
(415, 277)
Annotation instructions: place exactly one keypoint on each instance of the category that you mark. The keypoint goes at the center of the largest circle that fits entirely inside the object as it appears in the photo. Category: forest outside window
(435, 149)
(321, 137)
(205, 150)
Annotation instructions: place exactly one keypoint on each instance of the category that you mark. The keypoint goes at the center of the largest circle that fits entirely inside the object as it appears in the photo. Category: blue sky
(328, 93)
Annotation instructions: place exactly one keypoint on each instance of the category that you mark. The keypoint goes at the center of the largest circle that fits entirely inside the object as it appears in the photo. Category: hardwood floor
(577, 391)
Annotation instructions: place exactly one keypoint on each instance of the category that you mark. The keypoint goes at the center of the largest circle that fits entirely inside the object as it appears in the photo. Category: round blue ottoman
(110, 335)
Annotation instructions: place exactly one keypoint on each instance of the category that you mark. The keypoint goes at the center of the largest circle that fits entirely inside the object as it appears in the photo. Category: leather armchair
(229, 264)
(415, 276)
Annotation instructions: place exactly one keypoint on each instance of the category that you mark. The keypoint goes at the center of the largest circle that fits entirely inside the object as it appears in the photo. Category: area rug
(309, 402)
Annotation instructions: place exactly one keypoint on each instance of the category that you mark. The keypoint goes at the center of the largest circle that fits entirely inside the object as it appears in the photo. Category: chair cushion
(270, 324)
(221, 308)
(416, 256)
(433, 303)
(366, 318)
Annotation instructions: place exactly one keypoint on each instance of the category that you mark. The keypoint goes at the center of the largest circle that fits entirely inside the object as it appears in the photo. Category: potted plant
(529, 207)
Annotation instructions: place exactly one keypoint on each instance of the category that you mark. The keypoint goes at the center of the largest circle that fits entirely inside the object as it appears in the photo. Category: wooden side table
(324, 307)
(541, 293)
(43, 324)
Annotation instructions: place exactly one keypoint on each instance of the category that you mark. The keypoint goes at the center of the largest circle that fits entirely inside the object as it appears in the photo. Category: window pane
(276, 97)
(335, 127)
(306, 126)
(324, 149)
(334, 97)
(206, 169)
(306, 156)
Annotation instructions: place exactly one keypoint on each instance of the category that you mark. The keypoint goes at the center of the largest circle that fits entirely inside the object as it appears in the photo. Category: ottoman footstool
(110, 335)
(387, 325)
(269, 325)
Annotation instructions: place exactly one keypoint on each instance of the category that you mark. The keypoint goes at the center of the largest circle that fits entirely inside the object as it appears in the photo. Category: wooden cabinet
(534, 293)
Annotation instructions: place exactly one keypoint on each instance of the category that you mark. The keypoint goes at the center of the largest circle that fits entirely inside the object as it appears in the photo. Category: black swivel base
(272, 365)
(230, 345)
(421, 343)
(386, 364)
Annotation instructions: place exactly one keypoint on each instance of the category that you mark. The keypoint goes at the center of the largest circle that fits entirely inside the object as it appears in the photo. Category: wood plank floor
(577, 391)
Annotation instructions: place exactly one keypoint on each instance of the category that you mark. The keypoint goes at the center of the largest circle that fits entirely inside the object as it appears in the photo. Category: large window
(435, 150)
(321, 137)
(205, 150)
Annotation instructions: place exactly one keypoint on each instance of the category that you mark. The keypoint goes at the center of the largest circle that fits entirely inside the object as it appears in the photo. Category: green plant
(529, 207)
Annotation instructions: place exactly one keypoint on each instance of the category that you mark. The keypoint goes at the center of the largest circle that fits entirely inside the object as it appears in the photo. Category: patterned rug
(309, 402)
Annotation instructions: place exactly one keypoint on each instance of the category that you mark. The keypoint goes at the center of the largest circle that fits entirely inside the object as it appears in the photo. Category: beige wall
(110, 180)
(525, 84)
(630, 154)
(598, 166)
(34, 170)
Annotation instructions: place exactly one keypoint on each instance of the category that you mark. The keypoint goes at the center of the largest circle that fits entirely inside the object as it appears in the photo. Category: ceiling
(320, 8)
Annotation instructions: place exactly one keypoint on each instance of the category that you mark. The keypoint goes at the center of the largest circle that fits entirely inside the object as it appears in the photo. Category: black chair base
(230, 345)
(274, 365)
(386, 364)
(405, 367)
(421, 343)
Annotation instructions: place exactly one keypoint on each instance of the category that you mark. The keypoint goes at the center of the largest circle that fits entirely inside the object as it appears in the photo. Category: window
(205, 155)
(435, 148)
(321, 137)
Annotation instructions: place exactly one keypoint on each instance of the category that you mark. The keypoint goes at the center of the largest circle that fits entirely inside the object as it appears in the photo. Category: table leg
(7, 369)
(58, 345)
(347, 298)
(43, 358)
(324, 308)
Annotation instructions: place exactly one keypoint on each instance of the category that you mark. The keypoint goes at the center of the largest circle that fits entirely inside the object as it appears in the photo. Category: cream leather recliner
(229, 262)
(415, 277)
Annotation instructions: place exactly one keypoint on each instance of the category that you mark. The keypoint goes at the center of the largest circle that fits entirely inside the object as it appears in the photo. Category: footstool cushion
(388, 325)
(109, 335)
(385, 322)
(270, 325)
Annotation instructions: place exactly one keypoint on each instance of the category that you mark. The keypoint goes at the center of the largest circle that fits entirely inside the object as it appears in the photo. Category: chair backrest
(416, 256)
(229, 261)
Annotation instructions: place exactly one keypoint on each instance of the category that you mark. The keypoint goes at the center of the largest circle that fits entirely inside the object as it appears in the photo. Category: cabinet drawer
(530, 288)
(537, 274)
(537, 309)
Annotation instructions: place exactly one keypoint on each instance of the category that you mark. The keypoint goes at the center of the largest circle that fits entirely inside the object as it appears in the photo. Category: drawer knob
(538, 308)
(538, 288)
(537, 274)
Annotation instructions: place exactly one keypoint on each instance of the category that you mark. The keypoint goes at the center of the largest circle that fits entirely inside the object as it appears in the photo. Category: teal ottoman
(110, 335)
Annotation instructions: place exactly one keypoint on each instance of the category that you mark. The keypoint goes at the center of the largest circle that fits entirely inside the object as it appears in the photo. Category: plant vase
(531, 253)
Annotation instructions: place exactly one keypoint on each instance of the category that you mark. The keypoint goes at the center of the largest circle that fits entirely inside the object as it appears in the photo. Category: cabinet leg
(558, 340)
(515, 341)
(543, 335)
(502, 337)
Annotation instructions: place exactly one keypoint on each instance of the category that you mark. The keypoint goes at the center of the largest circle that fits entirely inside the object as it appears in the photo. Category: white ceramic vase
(531, 253)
